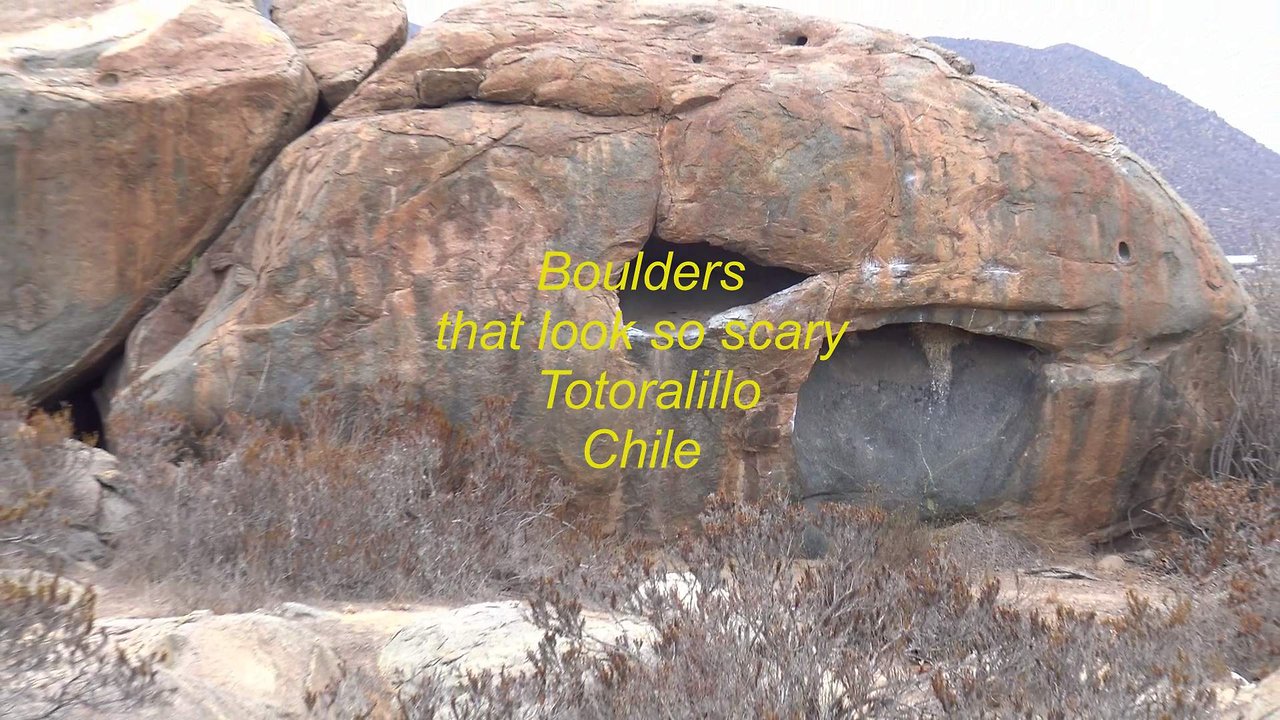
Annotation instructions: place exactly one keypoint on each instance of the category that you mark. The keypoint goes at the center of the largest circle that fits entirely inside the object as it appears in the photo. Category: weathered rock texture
(72, 499)
(450, 645)
(129, 133)
(1065, 313)
(251, 666)
(299, 661)
(342, 40)
(304, 662)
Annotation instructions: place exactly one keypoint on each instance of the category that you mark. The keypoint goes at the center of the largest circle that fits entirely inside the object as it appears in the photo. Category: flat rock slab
(249, 665)
(485, 637)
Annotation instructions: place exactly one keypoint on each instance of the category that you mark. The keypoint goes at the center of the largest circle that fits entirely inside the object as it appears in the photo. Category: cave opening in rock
(918, 415)
(80, 402)
(647, 307)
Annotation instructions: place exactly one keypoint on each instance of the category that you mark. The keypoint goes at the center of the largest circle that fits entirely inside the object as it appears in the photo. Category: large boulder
(342, 40)
(1037, 323)
(130, 130)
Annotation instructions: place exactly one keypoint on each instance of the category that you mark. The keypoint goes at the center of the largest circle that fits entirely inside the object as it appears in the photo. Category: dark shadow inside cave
(647, 307)
(81, 405)
(917, 415)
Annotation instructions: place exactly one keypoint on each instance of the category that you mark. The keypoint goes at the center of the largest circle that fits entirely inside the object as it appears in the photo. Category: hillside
(1230, 179)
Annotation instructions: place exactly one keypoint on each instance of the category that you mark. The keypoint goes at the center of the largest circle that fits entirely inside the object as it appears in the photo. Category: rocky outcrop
(494, 637)
(1037, 322)
(342, 40)
(63, 499)
(129, 132)
(299, 661)
(590, 187)
(92, 502)
(305, 662)
(249, 666)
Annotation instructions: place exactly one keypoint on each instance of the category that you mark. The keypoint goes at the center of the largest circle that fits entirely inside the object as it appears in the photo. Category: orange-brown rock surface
(130, 131)
(342, 40)
(1038, 322)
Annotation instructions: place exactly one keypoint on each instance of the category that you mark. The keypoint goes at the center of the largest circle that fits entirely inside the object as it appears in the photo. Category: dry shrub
(998, 546)
(1249, 449)
(32, 463)
(1229, 542)
(868, 632)
(1229, 546)
(373, 499)
(52, 659)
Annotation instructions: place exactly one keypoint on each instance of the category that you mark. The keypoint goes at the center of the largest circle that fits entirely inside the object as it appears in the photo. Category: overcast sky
(1224, 55)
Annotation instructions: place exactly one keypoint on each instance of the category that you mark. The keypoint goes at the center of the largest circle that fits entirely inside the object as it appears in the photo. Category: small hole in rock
(1122, 251)
(800, 40)
(108, 79)
(696, 59)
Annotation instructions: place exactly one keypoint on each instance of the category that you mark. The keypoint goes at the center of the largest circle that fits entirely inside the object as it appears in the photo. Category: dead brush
(373, 500)
(52, 658)
(33, 460)
(868, 632)
(1229, 523)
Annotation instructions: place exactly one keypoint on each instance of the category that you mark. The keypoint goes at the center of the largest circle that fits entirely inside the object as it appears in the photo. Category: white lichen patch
(871, 270)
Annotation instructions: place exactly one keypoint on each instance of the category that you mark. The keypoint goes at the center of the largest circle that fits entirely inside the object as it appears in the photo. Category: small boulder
(1110, 564)
(679, 589)
(75, 494)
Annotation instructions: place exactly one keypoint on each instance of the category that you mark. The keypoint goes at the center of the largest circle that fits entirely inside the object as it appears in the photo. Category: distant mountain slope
(1230, 179)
